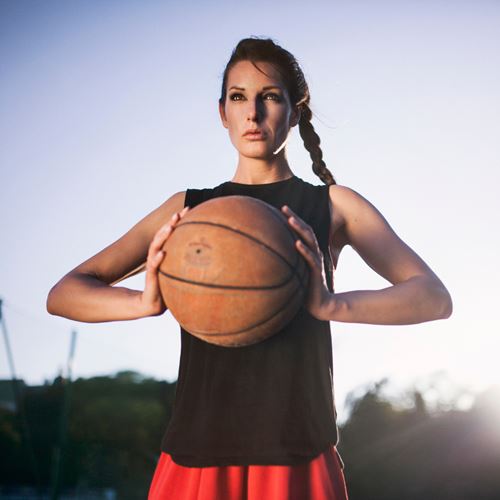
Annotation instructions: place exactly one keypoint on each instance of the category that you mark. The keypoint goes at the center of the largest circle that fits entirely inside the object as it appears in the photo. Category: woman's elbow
(436, 300)
(51, 302)
(445, 302)
(449, 307)
(55, 302)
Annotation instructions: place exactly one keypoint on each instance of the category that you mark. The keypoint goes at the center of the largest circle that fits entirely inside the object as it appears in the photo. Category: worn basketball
(232, 275)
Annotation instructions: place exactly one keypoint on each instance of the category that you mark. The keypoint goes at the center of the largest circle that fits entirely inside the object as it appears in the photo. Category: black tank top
(267, 403)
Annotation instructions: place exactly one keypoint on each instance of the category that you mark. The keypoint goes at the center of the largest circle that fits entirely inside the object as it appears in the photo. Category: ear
(294, 116)
(222, 113)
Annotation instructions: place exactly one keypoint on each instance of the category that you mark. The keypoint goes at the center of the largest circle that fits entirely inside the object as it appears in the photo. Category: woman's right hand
(151, 301)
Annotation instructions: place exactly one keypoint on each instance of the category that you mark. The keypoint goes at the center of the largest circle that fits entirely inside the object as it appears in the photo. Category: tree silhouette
(392, 449)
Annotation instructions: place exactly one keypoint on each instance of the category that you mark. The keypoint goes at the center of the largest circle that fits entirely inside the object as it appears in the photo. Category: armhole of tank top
(329, 207)
(329, 204)
(193, 197)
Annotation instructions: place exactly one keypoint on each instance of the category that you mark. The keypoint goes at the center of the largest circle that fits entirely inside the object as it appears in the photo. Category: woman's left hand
(319, 301)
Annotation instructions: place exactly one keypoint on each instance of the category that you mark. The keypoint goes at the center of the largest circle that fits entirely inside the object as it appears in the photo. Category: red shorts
(320, 479)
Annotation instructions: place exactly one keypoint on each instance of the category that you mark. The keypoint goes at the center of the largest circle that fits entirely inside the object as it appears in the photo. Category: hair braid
(311, 143)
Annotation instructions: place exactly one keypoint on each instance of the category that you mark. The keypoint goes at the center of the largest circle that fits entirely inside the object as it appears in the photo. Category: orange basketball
(232, 275)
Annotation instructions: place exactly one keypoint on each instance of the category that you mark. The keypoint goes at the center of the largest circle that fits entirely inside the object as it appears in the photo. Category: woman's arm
(417, 294)
(415, 300)
(86, 293)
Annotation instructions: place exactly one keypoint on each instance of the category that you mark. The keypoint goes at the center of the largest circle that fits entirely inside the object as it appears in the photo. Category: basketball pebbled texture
(232, 275)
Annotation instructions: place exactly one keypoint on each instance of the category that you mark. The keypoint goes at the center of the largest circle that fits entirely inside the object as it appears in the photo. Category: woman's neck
(254, 171)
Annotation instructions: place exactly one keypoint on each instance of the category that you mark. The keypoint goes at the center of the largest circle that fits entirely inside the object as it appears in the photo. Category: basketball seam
(226, 287)
(246, 329)
(246, 235)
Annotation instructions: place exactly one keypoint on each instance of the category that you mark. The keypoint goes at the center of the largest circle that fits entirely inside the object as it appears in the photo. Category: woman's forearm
(413, 301)
(82, 297)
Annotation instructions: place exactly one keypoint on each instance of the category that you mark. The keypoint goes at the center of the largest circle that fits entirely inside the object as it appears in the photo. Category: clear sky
(108, 108)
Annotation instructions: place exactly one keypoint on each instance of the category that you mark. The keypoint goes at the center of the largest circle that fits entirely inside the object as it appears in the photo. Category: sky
(108, 108)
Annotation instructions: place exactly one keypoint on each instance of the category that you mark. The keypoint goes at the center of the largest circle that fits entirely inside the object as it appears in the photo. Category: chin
(257, 152)
(255, 156)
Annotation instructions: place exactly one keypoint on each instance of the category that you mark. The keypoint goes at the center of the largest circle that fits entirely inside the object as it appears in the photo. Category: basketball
(232, 275)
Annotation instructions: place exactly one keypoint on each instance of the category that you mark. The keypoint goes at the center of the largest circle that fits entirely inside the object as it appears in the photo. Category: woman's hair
(265, 50)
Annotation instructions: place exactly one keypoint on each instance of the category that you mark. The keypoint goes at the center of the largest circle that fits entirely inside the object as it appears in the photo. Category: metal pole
(58, 464)
(19, 401)
(7, 346)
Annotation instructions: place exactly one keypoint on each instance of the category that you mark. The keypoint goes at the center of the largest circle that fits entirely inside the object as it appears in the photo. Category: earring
(282, 146)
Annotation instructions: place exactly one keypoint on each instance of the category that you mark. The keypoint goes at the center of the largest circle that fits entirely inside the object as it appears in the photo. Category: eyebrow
(268, 87)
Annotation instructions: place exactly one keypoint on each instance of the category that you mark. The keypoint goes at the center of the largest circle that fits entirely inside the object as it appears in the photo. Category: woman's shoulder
(347, 203)
(149, 224)
(343, 193)
(357, 216)
(173, 204)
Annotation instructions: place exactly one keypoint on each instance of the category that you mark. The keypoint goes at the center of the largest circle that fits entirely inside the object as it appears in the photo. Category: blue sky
(108, 108)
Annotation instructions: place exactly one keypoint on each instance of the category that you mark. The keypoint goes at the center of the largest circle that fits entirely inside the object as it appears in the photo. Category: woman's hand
(151, 301)
(319, 301)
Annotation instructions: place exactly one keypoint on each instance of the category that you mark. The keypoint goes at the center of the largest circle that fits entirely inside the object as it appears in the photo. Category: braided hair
(266, 50)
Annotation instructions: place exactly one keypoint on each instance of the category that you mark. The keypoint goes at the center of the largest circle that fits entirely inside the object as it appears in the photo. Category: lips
(254, 134)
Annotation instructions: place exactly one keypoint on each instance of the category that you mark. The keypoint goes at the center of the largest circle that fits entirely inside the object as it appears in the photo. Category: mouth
(254, 135)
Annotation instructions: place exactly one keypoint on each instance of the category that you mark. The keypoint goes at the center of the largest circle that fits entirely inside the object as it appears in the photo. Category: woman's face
(257, 111)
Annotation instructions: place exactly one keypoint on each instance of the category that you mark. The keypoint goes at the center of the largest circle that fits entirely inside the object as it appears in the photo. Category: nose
(254, 111)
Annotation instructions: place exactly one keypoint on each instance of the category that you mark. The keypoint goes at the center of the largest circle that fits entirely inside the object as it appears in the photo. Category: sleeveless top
(269, 403)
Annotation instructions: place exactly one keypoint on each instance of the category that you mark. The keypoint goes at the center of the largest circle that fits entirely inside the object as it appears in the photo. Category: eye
(272, 96)
(236, 97)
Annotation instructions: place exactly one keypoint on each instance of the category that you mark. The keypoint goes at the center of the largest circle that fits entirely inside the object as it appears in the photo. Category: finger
(302, 228)
(297, 221)
(157, 259)
(310, 256)
(184, 211)
(158, 240)
(154, 261)
(289, 212)
(176, 217)
(152, 287)
(179, 215)
(164, 231)
(305, 231)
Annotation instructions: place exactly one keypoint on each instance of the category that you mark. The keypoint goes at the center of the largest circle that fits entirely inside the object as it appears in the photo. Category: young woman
(258, 422)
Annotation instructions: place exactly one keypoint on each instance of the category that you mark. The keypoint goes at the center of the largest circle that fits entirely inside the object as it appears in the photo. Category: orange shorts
(320, 479)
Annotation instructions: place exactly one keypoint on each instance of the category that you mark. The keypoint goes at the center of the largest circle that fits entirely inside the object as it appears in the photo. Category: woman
(258, 422)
